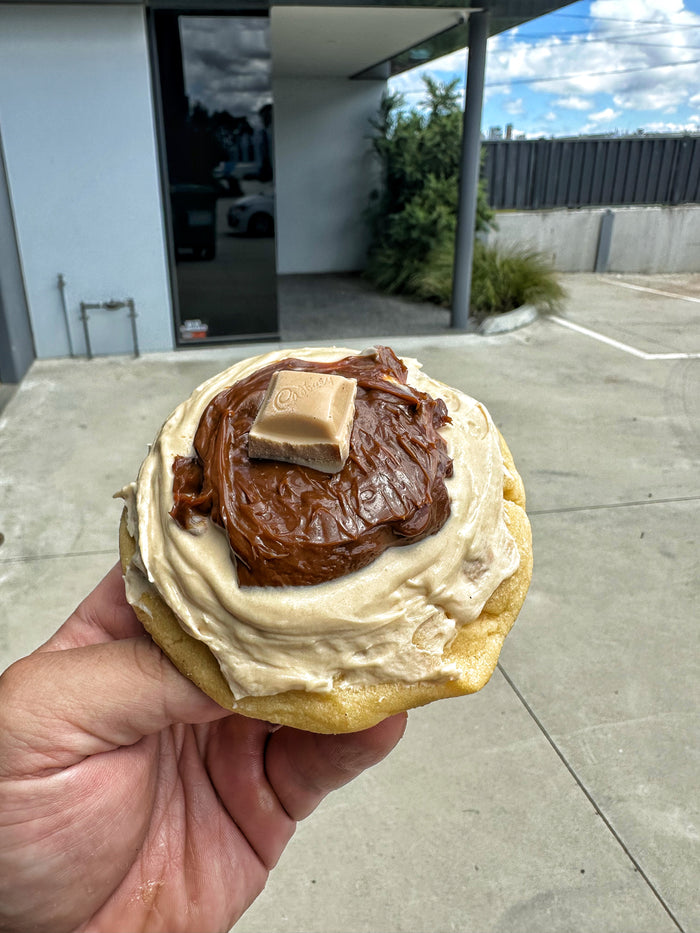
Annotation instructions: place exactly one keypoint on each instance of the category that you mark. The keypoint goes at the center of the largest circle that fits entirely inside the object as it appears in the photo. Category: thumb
(59, 707)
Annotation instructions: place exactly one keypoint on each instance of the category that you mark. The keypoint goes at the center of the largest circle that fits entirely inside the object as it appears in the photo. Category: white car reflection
(253, 215)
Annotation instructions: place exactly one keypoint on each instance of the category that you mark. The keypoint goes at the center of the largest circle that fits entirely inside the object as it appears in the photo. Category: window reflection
(217, 108)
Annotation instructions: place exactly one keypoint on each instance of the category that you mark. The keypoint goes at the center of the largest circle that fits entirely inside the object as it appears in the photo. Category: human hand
(131, 801)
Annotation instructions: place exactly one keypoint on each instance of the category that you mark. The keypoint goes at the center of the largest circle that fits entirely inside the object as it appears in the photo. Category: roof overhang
(355, 41)
(379, 40)
(359, 38)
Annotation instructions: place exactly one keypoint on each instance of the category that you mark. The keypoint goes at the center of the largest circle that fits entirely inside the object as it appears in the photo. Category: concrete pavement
(562, 797)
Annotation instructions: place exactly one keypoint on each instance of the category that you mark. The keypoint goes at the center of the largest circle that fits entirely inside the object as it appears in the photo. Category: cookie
(344, 703)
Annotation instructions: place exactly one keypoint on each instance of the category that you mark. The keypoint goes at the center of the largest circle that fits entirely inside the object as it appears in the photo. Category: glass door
(214, 76)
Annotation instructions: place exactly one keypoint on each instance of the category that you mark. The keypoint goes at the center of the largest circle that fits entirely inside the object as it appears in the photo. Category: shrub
(432, 280)
(502, 280)
(415, 213)
(414, 217)
(505, 279)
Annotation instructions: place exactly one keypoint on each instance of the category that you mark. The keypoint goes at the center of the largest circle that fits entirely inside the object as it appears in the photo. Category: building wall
(78, 132)
(324, 172)
(16, 340)
(645, 240)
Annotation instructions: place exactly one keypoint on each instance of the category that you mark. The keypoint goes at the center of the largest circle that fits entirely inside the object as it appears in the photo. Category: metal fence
(532, 174)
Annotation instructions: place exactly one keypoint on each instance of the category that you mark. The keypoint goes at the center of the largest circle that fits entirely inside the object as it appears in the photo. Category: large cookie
(475, 649)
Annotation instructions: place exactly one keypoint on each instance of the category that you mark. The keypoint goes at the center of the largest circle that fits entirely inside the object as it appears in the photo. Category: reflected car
(253, 215)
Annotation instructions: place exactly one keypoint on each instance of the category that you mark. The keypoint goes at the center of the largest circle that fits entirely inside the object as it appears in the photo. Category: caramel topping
(291, 525)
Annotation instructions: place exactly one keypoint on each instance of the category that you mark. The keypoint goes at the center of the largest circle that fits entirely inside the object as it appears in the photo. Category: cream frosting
(386, 623)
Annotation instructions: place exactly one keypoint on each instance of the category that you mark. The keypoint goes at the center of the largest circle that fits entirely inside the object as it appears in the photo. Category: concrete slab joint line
(625, 347)
(590, 797)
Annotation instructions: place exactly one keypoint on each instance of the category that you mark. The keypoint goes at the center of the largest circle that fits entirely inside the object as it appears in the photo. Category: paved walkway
(564, 796)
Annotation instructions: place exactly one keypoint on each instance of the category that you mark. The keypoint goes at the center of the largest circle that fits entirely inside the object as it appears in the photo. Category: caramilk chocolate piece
(305, 418)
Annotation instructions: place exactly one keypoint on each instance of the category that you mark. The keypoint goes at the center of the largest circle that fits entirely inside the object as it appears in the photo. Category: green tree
(414, 215)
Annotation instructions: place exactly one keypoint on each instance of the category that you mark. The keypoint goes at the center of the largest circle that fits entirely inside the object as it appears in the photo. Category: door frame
(258, 11)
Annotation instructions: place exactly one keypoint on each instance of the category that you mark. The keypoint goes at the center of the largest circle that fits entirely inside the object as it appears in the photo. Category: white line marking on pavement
(652, 291)
(625, 347)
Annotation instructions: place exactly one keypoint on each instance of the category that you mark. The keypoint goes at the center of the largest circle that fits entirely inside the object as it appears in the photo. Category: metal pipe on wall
(62, 290)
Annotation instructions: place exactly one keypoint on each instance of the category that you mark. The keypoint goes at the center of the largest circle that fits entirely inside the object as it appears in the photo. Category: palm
(195, 868)
(123, 820)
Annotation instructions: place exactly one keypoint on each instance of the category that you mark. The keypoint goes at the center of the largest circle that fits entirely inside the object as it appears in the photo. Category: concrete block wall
(644, 240)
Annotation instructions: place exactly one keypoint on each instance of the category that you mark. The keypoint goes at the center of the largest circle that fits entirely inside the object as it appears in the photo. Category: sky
(611, 67)
(226, 61)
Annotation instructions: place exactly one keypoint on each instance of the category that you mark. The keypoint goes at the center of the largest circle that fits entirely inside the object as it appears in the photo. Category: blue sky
(616, 64)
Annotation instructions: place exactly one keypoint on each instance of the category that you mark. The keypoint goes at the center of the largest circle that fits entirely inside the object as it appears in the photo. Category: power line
(615, 19)
(589, 74)
(581, 38)
(640, 45)
(594, 35)
(585, 40)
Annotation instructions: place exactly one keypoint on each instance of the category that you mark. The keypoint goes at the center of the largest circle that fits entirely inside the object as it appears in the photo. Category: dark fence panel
(524, 174)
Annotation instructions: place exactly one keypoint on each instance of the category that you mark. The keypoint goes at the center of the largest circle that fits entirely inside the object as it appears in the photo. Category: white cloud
(574, 103)
(622, 54)
(514, 107)
(602, 122)
(637, 11)
(410, 83)
(660, 97)
(627, 60)
(550, 117)
(604, 116)
(691, 126)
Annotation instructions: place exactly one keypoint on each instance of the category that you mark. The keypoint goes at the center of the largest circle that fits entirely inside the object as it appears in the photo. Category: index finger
(303, 767)
(104, 615)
